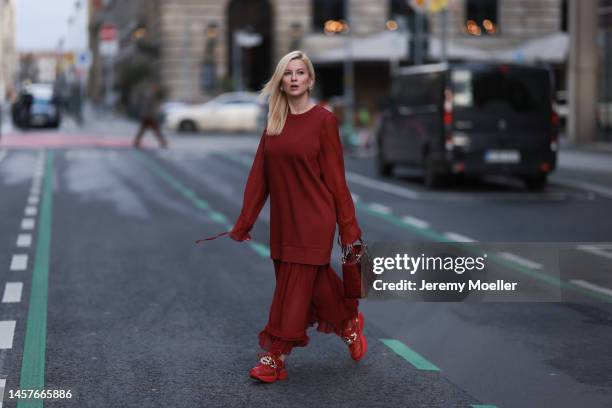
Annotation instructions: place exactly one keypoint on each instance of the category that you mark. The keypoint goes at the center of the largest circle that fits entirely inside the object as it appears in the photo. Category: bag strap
(211, 238)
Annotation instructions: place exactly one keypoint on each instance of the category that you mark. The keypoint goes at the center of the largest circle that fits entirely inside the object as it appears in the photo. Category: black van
(472, 119)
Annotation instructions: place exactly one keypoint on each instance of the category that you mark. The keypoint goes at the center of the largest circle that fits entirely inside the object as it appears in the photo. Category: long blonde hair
(277, 104)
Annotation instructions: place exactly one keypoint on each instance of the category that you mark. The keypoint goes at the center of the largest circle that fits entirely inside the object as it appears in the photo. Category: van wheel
(433, 178)
(187, 126)
(384, 167)
(536, 183)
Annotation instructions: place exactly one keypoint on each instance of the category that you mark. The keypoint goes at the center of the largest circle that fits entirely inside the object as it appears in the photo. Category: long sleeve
(331, 161)
(255, 195)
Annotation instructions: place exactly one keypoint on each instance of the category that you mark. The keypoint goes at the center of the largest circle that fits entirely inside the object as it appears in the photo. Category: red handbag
(354, 256)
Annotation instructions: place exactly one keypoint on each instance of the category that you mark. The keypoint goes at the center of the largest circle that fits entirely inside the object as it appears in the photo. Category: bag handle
(211, 238)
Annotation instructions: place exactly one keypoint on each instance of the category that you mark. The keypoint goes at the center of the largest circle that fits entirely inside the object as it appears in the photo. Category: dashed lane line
(12, 292)
(19, 262)
(415, 222)
(2, 387)
(453, 236)
(592, 286)
(380, 208)
(382, 186)
(33, 200)
(24, 240)
(28, 224)
(31, 211)
(7, 333)
(598, 249)
(520, 260)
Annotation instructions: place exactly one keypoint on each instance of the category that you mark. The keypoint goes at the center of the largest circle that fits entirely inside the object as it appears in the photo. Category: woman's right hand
(240, 238)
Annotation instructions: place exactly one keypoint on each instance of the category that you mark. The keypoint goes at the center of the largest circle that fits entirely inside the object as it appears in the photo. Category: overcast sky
(41, 23)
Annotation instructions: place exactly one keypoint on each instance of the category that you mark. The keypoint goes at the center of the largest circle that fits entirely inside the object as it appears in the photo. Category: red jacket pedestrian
(300, 166)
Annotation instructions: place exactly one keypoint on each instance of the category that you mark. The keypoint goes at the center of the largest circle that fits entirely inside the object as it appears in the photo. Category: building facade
(189, 44)
(8, 50)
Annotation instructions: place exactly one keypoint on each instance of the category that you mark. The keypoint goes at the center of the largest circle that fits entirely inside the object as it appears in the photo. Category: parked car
(234, 111)
(36, 106)
(473, 119)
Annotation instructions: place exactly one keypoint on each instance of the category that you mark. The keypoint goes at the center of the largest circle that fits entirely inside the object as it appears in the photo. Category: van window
(519, 91)
(419, 89)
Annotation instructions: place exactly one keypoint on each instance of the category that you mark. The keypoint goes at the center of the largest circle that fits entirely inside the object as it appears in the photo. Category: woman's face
(296, 78)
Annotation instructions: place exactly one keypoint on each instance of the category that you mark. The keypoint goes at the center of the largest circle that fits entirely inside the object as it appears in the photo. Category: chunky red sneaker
(354, 338)
(270, 369)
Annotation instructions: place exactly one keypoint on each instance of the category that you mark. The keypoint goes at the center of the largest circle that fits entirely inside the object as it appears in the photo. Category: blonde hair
(277, 103)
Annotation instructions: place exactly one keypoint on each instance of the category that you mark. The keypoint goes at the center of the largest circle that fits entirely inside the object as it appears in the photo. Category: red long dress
(302, 170)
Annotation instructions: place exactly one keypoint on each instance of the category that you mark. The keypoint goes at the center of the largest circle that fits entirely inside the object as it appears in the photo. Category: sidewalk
(586, 167)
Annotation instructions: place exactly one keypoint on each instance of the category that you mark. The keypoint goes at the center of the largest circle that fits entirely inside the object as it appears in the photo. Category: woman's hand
(240, 238)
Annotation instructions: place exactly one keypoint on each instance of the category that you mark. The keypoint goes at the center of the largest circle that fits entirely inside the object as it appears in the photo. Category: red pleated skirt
(305, 295)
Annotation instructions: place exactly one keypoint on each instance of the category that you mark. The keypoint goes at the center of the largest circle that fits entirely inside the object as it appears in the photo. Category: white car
(234, 111)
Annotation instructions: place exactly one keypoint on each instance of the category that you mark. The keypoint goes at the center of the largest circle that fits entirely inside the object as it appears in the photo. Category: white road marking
(33, 199)
(415, 222)
(12, 292)
(24, 240)
(591, 286)
(595, 188)
(7, 331)
(382, 186)
(2, 387)
(31, 210)
(355, 197)
(19, 262)
(520, 260)
(379, 208)
(458, 237)
(599, 249)
(28, 223)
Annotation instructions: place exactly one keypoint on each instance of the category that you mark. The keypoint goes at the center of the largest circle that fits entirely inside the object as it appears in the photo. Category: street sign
(83, 60)
(109, 41)
(108, 32)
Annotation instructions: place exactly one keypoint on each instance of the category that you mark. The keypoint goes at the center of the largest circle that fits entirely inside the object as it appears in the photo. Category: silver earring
(281, 89)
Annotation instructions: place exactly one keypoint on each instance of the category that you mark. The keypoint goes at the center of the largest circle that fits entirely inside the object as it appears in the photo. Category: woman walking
(299, 164)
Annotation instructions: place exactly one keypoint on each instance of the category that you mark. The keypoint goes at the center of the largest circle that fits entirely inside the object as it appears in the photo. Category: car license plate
(38, 120)
(502, 156)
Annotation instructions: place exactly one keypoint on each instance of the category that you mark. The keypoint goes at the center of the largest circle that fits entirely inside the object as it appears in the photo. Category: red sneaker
(354, 338)
(270, 369)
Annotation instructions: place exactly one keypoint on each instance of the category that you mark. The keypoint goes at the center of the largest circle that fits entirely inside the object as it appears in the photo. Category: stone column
(582, 71)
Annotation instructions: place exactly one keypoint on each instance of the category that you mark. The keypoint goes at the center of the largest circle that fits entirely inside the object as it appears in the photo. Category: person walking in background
(299, 163)
(149, 114)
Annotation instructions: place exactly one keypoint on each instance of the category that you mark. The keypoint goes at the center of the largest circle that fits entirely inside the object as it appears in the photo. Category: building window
(481, 17)
(564, 16)
(325, 10)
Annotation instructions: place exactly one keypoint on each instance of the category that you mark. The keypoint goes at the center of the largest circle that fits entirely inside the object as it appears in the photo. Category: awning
(392, 45)
(552, 48)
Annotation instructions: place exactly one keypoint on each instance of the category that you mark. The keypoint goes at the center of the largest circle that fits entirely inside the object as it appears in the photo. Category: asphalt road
(119, 306)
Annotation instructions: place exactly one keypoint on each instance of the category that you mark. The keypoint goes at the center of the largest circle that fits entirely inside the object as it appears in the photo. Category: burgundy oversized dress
(302, 170)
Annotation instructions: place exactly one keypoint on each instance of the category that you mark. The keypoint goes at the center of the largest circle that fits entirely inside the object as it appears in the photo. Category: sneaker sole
(281, 376)
(362, 338)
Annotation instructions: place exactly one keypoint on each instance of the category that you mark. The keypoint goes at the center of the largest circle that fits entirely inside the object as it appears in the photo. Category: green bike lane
(139, 316)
